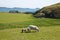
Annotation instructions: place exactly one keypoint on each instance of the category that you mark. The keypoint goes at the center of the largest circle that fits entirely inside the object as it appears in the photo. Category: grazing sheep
(23, 30)
(32, 27)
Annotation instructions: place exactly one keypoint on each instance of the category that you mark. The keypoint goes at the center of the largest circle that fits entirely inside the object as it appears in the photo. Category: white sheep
(32, 27)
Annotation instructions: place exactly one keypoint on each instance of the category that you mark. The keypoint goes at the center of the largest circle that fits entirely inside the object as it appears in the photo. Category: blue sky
(27, 3)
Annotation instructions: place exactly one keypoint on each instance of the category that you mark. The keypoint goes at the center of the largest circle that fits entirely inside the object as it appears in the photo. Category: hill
(52, 11)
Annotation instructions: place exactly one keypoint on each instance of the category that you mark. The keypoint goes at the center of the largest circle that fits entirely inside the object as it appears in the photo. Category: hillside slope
(52, 11)
(12, 20)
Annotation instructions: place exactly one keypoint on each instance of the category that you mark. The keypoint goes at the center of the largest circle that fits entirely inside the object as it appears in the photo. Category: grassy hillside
(52, 11)
(23, 20)
(45, 33)
(11, 25)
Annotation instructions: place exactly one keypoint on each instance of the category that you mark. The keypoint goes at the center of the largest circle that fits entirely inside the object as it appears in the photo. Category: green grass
(10, 17)
(11, 25)
(45, 33)
(11, 20)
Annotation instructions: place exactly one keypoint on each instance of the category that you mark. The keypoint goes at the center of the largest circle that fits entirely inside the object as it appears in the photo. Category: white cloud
(27, 3)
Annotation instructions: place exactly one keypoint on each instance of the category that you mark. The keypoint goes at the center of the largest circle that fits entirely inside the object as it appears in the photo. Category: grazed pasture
(11, 25)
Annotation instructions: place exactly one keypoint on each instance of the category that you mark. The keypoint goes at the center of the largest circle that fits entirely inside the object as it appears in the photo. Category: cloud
(27, 3)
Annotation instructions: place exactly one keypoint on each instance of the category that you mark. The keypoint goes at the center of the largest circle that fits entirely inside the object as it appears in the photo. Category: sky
(27, 3)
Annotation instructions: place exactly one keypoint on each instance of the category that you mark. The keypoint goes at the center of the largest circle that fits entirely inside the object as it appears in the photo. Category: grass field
(11, 25)
(45, 33)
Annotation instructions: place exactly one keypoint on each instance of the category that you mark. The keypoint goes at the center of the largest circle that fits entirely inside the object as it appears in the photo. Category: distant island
(5, 9)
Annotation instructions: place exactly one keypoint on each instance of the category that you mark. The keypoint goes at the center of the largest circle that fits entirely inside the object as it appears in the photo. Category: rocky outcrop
(52, 11)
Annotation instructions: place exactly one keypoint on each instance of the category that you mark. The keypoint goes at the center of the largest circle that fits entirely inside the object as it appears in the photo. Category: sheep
(29, 28)
(24, 30)
(32, 27)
